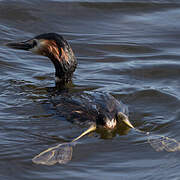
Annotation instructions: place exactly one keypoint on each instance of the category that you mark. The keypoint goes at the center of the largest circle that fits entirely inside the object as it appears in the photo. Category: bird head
(56, 48)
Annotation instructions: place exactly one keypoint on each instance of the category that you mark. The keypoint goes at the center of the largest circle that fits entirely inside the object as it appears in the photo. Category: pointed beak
(125, 119)
(26, 45)
(127, 122)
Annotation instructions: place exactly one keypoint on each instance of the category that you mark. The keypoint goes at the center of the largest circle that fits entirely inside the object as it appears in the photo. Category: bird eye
(34, 43)
(100, 119)
(120, 116)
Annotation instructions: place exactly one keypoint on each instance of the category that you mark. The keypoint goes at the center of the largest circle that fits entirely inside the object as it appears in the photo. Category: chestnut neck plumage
(57, 49)
(63, 71)
(64, 62)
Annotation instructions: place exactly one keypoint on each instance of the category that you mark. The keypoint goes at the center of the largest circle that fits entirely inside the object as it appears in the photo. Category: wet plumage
(81, 107)
(93, 108)
(87, 107)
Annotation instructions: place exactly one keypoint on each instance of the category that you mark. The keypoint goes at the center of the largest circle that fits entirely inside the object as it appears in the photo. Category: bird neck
(63, 79)
(64, 68)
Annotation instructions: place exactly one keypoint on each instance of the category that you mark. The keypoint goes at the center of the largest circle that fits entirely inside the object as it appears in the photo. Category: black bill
(26, 45)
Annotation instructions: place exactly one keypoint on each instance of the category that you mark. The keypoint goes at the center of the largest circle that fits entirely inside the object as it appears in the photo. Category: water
(127, 48)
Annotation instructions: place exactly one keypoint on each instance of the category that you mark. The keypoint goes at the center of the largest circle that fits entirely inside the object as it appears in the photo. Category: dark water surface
(130, 49)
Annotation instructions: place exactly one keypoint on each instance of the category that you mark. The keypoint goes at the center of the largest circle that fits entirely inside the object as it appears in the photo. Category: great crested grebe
(95, 108)
(101, 108)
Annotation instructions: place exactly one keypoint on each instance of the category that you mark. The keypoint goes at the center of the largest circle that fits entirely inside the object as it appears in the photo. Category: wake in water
(160, 143)
(62, 153)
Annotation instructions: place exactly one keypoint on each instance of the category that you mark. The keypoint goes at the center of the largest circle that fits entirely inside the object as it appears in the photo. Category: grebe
(93, 108)
(57, 49)
(101, 108)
